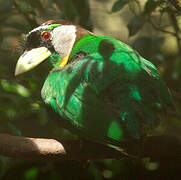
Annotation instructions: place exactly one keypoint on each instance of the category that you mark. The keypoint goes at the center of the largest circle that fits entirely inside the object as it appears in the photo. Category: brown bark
(156, 147)
(39, 148)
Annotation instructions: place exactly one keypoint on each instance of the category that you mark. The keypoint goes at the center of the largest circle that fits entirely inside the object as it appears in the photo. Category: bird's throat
(64, 61)
(57, 61)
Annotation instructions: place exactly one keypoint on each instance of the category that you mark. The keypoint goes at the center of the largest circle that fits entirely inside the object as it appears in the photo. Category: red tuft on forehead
(79, 32)
(49, 22)
(60, 21)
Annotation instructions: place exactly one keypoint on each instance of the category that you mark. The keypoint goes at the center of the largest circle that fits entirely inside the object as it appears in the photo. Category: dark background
(152, 27)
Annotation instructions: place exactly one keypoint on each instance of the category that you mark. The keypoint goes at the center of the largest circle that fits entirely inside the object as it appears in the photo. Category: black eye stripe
(46, 35)
(33, 40)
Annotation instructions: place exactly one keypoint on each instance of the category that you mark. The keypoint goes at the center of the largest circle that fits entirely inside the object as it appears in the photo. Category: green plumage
(107, 92)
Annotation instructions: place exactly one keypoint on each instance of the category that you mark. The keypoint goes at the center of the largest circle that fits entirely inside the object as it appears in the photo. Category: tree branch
(156, 147)
(158, 28)
(39, 148)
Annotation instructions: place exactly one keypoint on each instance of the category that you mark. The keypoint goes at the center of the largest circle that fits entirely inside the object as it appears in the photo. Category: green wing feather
(110, 95)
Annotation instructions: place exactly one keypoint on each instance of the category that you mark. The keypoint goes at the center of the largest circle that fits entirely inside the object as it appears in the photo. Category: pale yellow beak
(30, 59)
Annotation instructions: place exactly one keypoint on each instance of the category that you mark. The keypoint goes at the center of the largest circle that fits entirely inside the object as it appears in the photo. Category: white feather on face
(38, 28)
(63, 38)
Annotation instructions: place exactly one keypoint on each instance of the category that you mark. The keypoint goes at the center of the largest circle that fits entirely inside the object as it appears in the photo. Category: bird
(103, 90)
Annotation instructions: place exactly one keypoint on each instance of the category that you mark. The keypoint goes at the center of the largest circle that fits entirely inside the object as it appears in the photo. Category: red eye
(46, 35)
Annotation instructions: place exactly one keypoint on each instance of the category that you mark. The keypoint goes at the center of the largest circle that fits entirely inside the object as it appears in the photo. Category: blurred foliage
(22, 111)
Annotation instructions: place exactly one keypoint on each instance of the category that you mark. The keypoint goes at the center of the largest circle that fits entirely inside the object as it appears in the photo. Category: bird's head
(52, 40)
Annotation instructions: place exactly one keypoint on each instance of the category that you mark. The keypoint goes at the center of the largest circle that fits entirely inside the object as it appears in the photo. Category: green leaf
(14, 129)
(15, 88)
(150, 6)
(118, 5)
(31, 174)
(135, 24)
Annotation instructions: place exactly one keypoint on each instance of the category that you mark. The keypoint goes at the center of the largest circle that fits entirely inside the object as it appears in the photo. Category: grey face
(41, 42)
(61, 39)
(36, 39)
